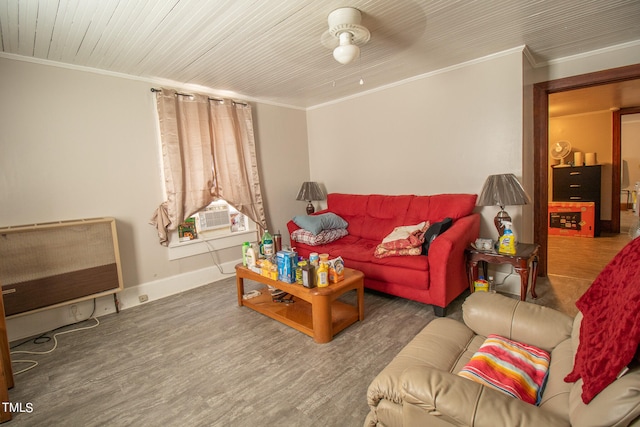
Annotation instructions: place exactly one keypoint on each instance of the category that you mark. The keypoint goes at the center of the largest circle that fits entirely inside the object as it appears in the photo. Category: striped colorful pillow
(517, 369)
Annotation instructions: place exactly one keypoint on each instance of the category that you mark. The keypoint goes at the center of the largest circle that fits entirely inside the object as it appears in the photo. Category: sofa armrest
(447, 264)
(429, 392)
(489, 313)
(459, 236)
(292, 226)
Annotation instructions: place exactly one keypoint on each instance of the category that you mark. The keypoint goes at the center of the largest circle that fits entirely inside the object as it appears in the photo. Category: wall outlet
(74, 312)
(143, 298)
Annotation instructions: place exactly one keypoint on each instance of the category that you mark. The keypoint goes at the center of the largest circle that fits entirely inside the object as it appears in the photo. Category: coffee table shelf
(315, 311)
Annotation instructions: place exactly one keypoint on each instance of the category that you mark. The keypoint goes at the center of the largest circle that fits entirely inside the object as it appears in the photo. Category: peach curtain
(235, 164)
(208, 152)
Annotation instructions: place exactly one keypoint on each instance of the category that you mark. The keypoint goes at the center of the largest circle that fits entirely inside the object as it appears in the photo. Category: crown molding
(152, 81)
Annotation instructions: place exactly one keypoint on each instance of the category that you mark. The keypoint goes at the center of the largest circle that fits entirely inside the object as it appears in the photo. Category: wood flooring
(197, 359)
(575, 262)
(585, 257)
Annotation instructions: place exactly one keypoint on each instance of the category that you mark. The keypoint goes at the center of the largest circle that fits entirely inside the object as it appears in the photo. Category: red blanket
(610, 330)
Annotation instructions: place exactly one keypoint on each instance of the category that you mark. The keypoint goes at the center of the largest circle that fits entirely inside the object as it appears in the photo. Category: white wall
(630, 139)
(284, 164)
(77, 144)
(80, 145)
(442, 133)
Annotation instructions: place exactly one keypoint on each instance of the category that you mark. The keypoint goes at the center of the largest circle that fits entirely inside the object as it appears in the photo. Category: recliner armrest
(488, 313)
(430, 392)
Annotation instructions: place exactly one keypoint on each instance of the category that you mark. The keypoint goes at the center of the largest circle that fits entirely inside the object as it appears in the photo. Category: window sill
(206, 244)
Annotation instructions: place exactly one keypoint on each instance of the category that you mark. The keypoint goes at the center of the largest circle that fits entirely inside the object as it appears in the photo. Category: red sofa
(435, 279)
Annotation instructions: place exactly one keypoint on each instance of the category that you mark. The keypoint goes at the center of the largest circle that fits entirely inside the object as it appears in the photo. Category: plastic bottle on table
(266, 245)
(322, 275)
(245, 246)
(314, 259)
(251, 257)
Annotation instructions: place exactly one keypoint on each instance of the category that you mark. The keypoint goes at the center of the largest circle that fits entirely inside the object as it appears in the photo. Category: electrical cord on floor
(506, 277)
(44, 338)
(211, 251)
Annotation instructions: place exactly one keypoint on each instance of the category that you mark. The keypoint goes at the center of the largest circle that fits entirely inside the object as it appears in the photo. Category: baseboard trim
(29, 325)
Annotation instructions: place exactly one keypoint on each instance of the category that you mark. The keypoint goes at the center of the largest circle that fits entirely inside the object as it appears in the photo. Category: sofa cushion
(437, 207)
(316, 223)
(440, 345)
(488, 313)
(383, 214)
(334, 249)
(393, 274)
(356, 249)
(351, 207)
(516, 369)
(420, 263)
(555, 397)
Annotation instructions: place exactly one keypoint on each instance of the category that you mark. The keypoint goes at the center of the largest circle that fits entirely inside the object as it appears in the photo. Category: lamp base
(497, 221)
(310, 208)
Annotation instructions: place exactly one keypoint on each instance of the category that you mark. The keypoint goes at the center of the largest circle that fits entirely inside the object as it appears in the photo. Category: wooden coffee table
(315, 312)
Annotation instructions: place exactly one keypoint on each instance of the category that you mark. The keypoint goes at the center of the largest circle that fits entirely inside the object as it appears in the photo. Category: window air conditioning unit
(214, 218)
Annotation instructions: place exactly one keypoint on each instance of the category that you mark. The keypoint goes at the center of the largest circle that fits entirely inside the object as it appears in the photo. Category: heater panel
(48, 265)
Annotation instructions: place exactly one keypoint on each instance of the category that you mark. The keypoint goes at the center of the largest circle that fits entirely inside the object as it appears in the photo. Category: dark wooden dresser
(579, 184)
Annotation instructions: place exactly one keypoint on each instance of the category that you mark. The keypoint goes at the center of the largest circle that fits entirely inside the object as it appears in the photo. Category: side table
(526, 255)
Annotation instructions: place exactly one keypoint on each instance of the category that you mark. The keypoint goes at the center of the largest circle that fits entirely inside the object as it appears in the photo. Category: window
(218, 226)
(208, 151)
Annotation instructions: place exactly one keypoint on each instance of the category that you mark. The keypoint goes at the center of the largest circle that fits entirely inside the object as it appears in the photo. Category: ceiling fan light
(347, 51)
(344, 24)
(346, 54)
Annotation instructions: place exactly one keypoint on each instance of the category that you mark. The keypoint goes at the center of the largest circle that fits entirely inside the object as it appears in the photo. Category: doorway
(629, 143)
(541, 93)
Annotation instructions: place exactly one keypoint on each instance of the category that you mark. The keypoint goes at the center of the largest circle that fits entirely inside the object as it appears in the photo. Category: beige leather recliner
(419, 387)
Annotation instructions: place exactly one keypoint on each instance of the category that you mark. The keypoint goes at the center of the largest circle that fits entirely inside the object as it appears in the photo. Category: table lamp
(502, 190)
(311, 191)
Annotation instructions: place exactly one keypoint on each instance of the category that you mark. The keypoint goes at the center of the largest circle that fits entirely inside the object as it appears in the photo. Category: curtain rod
(153, 89)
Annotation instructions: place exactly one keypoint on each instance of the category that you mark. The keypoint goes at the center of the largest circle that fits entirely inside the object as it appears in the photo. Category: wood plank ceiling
(271, 50)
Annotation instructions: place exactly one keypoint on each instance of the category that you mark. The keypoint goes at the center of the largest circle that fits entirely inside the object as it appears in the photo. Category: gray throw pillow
(316, 223)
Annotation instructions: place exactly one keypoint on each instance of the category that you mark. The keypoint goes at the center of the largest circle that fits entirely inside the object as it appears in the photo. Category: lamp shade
(503, 190)
(311, 191)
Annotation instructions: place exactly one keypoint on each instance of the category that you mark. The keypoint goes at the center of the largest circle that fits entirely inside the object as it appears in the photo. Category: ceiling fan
(345, 34)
